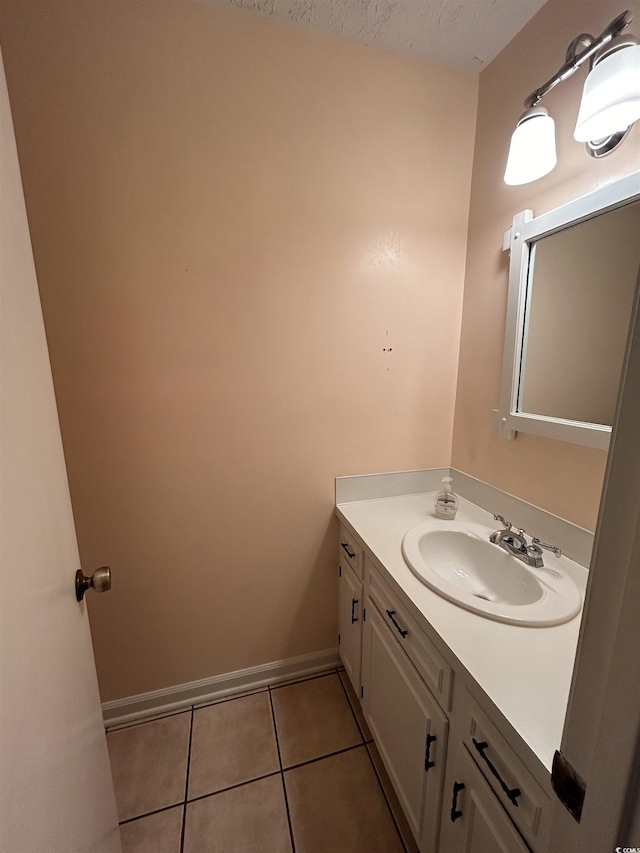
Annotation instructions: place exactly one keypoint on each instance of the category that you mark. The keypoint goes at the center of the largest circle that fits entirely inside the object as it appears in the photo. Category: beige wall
(250, 243)
(563, 478)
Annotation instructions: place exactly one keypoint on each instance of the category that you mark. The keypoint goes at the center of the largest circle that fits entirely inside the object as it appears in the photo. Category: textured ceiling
(464, 33)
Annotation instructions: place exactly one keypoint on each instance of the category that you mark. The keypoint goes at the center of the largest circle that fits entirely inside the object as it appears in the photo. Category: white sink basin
(457, 561)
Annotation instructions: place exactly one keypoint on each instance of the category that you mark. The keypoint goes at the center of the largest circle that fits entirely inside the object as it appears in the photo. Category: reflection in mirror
(580, 288)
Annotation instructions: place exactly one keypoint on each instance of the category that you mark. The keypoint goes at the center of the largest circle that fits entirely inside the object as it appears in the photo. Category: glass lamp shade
(532, 153)
(611, 96)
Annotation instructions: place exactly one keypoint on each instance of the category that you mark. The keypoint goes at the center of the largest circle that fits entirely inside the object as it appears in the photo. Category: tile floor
(287, 769)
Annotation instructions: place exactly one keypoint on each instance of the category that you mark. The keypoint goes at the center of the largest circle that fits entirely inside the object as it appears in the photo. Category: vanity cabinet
(409, 728)
(473, 821)
(462, 783)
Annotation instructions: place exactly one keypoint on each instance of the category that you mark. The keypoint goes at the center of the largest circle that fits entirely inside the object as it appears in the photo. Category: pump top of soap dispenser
(446, 503)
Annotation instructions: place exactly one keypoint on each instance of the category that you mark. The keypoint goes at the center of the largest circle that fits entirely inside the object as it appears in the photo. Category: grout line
(286, 802)
(322, 757)
(267, 775)
(284, 787)
(275, 729)
(386, 799)
(352, 709)
(151, 719)
(186, 785)
(233, 787)
(148, 814)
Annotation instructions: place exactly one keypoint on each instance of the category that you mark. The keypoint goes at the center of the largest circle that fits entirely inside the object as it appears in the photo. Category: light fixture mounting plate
(599, 148)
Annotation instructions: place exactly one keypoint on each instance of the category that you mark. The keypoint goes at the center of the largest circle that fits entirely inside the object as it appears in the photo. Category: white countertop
(526, 672)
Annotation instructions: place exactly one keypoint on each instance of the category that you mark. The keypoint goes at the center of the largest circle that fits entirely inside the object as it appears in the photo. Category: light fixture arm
(579, 51)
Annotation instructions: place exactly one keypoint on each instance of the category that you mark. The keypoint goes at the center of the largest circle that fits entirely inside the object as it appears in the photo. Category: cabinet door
(473, 820)
(350, 623)
(409, 728)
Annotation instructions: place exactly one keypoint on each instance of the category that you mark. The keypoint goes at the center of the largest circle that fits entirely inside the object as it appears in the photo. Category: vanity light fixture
(609, 107)
(611, 97)
(533, 147)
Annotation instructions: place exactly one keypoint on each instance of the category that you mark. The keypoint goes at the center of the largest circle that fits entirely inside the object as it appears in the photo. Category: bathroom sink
(456, 560)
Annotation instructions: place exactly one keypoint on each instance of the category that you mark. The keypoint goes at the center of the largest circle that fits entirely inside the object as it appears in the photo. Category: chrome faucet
(514, 542)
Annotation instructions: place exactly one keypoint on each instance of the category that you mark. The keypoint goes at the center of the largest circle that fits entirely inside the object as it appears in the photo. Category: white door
(56, 794)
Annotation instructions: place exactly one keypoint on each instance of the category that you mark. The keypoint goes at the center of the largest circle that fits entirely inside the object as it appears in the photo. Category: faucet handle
(501, 519)
(535, 541)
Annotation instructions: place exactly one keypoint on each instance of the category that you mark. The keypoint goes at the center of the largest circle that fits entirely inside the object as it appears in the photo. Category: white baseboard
(133, 708)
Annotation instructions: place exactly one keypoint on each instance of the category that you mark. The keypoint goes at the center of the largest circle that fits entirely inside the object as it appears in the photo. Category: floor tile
(232, 742)
(357, 707)
(157, 833)
(313, 718)
(394, 802)
(149, 764)
(337, 806)
(249, 819)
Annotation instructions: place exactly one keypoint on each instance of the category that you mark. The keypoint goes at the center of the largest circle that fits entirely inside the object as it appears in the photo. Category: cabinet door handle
(391, 614)
(354, 618)
(455, 813)
(512, 793)
(427, 758)
(346, 548)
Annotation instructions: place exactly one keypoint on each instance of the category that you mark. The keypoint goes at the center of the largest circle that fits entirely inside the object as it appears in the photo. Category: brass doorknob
(100, 580)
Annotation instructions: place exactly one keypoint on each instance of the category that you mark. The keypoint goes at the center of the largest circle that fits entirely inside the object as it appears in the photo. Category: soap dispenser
(446, 503)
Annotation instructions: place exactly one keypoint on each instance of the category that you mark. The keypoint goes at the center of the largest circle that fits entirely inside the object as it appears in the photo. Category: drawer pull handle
(511, 793)
(354, 618)
(455, 813)
(391, 614)
(345, 545)
(427, 758)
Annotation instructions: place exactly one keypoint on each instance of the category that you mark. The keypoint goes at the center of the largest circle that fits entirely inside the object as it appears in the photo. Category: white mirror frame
(525, 231)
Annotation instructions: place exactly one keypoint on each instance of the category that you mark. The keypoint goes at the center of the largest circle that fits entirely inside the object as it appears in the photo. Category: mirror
(580, 292)
(573, 277)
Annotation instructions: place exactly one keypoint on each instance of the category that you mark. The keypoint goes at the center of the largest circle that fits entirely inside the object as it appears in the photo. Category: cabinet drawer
(433, 668)
(351, 552)
(521, 795)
